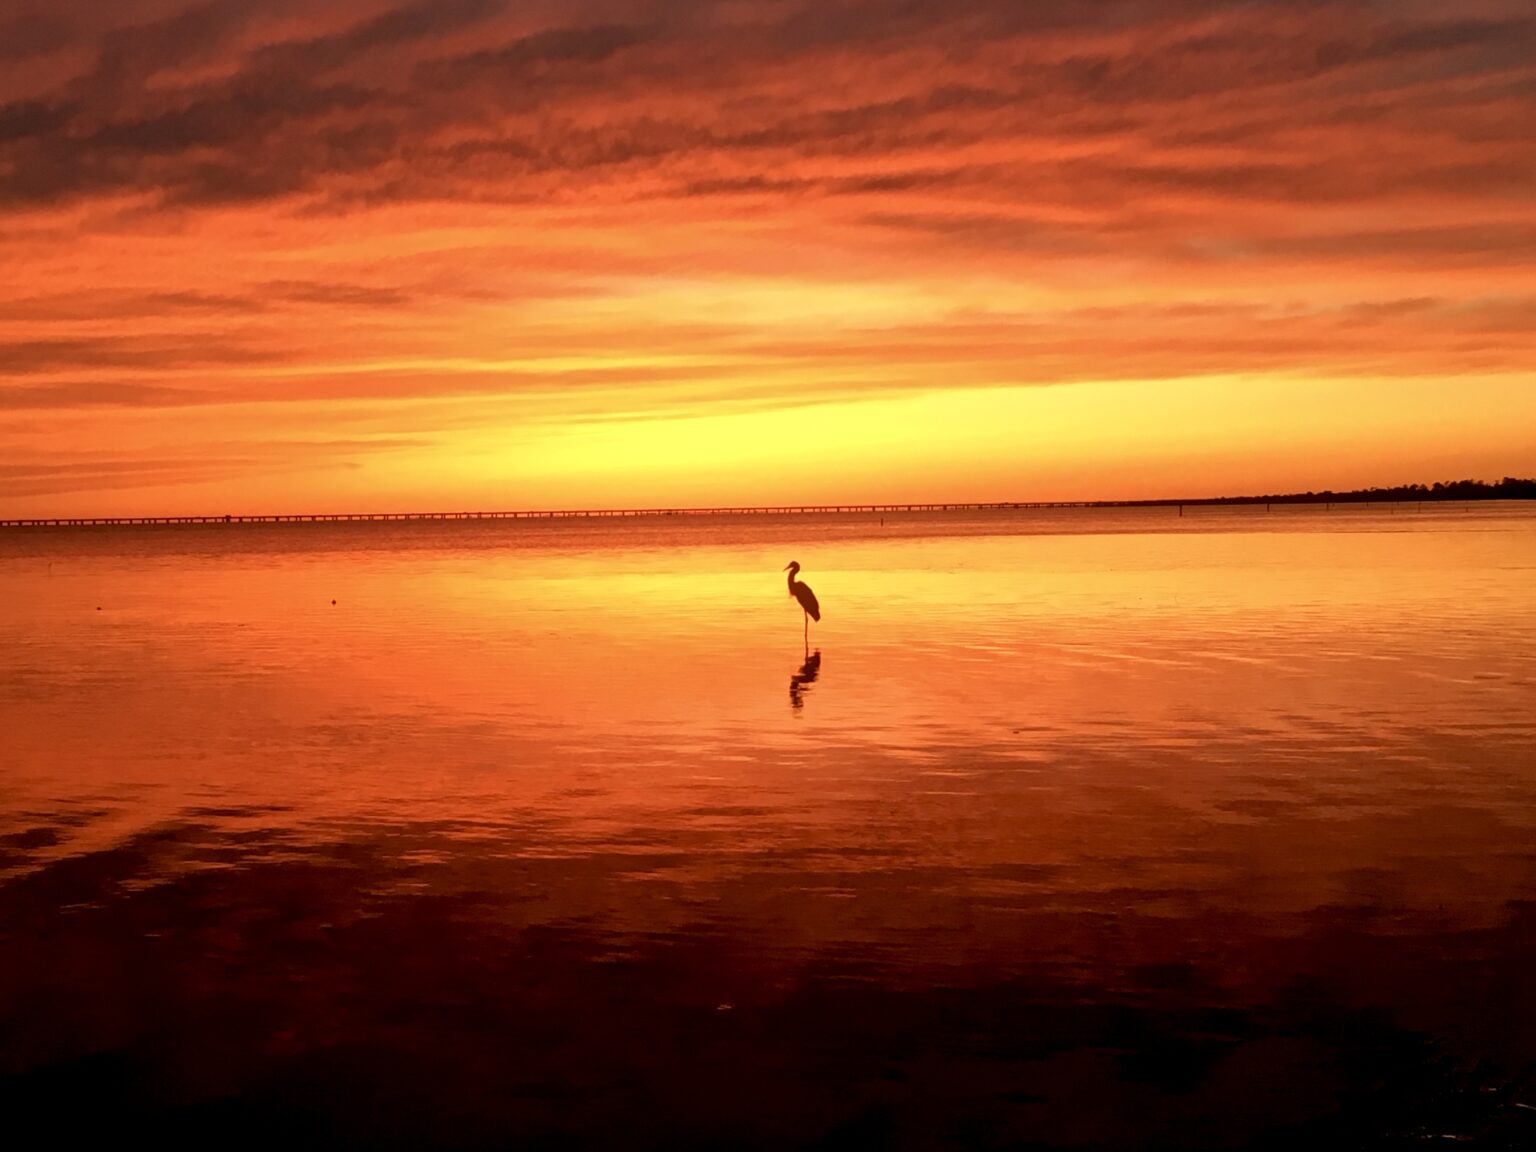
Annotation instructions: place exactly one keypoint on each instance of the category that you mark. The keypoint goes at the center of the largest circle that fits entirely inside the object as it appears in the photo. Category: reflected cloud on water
(457, 983)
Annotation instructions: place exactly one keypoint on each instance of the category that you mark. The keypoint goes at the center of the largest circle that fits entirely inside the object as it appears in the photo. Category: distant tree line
(1509, 488)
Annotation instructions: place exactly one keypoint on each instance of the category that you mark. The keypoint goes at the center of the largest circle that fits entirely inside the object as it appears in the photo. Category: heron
(802, 592)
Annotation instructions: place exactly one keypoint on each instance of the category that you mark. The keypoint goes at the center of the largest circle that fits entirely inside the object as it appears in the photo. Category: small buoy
(333, 601)
(98, 607)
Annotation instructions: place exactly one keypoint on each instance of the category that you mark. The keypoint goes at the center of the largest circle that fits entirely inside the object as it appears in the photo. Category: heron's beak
(786, 568)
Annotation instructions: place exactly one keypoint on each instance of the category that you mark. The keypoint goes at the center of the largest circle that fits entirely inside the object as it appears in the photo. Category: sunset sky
(344, 255)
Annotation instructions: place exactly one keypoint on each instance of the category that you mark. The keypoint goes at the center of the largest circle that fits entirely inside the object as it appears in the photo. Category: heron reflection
(803, 679)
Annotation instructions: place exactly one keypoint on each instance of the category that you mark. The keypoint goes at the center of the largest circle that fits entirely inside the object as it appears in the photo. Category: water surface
(1087, 828)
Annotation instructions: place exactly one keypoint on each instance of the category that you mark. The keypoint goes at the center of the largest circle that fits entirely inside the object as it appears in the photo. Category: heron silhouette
(802, 592)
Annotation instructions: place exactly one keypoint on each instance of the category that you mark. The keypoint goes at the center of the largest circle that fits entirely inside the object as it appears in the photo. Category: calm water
(1087, 829)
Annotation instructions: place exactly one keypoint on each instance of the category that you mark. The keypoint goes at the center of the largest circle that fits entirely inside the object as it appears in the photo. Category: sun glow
(956, 262)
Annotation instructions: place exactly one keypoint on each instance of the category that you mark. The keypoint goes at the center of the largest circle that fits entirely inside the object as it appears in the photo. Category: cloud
(33, 34)
(232, 302)
(524, 58)
(561, 210)
(195, 463)
(730, 364)
(95, 393)
(24, 119)
(26, 480)
(23, 357)
(343, 113)
(1511, 244)
(340, 295)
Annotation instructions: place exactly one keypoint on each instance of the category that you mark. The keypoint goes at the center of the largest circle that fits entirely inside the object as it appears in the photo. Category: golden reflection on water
(1207, 749)
(1141, 684)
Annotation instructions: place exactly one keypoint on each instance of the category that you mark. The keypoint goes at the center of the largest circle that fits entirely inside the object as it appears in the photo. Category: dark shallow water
(1106, 831)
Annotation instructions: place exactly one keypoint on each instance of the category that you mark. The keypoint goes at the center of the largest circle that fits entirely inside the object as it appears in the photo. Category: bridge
(542, 514)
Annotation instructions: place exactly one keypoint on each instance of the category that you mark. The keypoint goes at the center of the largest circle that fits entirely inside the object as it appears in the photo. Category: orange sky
(357, 255)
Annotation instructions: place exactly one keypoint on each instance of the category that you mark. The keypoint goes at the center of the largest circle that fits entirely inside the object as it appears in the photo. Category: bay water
(1078, 828)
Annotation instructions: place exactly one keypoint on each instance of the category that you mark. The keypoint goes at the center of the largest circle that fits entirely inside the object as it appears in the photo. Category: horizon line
(1441, 491)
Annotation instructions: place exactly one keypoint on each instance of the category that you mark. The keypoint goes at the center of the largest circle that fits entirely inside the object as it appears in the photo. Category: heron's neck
(792, 573)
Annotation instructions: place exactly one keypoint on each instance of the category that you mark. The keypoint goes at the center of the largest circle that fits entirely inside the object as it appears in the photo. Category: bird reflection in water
(803, 679)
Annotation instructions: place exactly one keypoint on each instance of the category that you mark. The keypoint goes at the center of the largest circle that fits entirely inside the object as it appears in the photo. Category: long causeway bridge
(541, 514)
(1328, 500)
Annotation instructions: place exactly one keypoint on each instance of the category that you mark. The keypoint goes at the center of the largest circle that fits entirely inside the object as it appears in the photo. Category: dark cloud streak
(34, 34)
(23, 357)
(478, 106)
